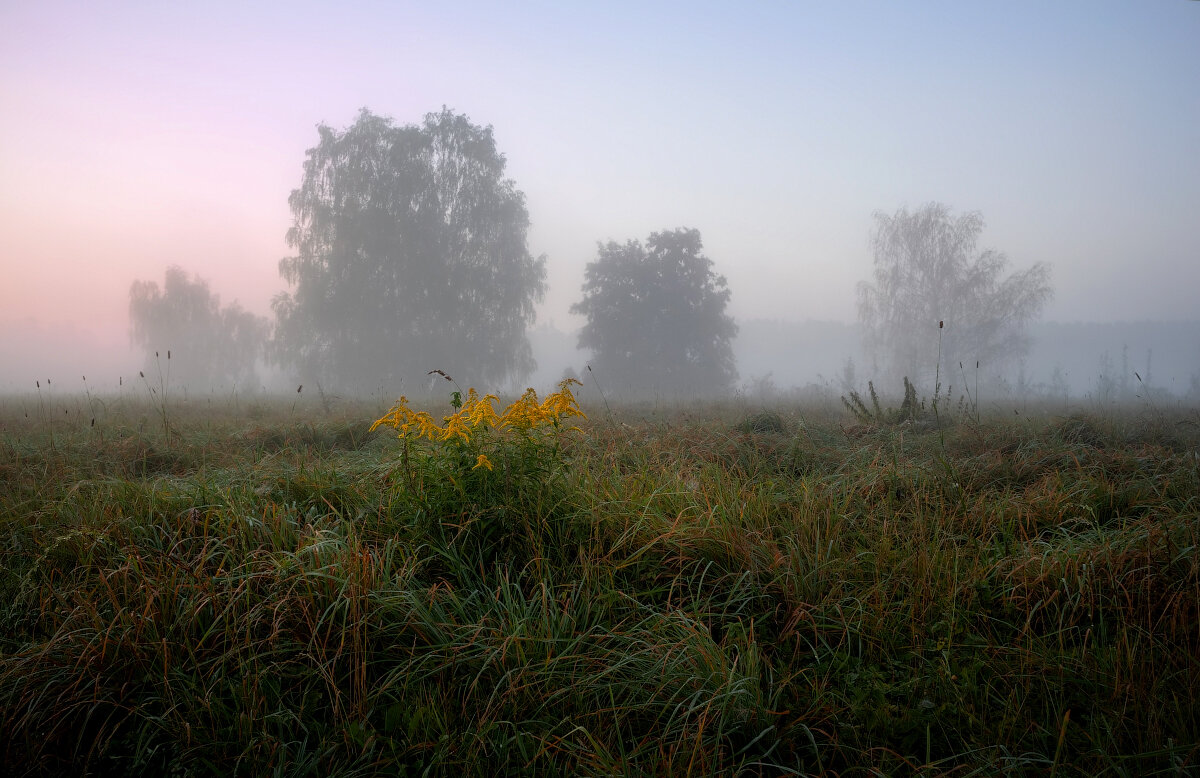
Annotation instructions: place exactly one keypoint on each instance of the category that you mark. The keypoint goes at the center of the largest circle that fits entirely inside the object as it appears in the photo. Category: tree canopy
(209, 346)
(927, 271)
(656, 317)
(410, 255)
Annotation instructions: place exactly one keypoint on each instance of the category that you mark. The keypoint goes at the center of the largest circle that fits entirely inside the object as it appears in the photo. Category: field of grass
(272, 589)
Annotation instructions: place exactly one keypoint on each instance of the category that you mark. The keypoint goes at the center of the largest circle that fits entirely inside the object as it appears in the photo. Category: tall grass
(700, 594)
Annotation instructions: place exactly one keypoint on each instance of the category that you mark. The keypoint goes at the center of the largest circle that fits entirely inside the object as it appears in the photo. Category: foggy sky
(144, 135)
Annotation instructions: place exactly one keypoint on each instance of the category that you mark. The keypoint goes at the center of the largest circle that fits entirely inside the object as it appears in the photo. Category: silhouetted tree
(656, 317)
(209, 346)
(410, 255)
(927, 270)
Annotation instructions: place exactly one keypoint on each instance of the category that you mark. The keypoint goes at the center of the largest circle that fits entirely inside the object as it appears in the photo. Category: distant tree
(927, 270)
(656, 316)
(209, 346)
(410, 255)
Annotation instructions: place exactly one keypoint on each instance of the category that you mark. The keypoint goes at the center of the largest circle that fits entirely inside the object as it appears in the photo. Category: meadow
(271, 587)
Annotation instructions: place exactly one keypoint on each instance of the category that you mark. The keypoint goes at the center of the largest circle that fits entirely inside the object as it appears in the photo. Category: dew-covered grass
(703, 590)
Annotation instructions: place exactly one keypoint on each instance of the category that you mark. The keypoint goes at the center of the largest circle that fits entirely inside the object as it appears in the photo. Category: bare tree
(927, 271)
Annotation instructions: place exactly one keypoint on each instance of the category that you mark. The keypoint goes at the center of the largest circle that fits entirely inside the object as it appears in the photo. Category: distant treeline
(1086, 359)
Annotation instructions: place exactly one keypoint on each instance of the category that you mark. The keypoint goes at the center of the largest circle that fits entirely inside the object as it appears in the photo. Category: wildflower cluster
(476, 418)
(490, 484)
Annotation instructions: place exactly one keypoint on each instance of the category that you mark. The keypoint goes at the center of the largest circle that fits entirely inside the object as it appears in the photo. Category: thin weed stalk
(972, 401)
(599, 389)
(44, 412)
(159, 397)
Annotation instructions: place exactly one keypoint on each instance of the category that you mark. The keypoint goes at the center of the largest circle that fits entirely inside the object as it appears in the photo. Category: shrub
(486, 485)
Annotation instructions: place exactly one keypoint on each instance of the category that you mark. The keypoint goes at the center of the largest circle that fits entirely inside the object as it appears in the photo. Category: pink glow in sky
(140, 135)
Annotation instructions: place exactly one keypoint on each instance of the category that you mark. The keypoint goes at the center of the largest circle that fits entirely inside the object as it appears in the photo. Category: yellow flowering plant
(476, 417)
(481, 469)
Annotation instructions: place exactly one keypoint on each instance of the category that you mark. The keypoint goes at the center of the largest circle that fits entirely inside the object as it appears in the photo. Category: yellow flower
(482, 461)
(425, 426)
(456, 427)
(524, 413)
(563, 402)
(396, 417)
(480, 411)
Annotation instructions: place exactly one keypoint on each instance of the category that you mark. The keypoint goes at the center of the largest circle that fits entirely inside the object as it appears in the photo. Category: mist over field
(1076, 365)
(674, 388)
(635, 166)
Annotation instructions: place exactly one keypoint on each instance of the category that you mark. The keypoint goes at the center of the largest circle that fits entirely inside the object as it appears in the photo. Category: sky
(141, 135)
